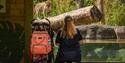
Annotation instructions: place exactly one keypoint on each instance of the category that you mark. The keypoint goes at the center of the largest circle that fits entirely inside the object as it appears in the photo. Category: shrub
(114, 12)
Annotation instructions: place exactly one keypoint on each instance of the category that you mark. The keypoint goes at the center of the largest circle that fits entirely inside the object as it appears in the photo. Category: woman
(68, 39)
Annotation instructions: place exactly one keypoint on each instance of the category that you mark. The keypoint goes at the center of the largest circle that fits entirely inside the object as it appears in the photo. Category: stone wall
(94, 31)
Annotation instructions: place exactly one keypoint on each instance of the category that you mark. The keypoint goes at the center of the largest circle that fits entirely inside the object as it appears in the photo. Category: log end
(96, 14)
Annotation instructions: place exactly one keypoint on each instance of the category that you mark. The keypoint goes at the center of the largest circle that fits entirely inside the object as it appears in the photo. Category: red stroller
(40, 42)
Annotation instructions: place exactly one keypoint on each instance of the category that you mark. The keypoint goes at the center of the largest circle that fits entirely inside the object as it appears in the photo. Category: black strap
(52, 43)
(49, 25)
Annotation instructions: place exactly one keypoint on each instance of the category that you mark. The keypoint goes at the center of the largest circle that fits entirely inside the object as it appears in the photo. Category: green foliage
(114, 12)
(37, 1)
(59, 6)
(88, 2)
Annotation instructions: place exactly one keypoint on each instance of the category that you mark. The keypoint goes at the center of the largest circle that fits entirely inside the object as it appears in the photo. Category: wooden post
(28, 19)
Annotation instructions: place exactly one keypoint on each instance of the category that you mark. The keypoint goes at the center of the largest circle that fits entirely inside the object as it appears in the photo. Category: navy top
(71, 44)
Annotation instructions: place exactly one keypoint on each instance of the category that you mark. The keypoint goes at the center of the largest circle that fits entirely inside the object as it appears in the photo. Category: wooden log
(81, 16)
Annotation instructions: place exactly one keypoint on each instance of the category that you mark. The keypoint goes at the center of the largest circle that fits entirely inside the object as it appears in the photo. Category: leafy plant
(59, 6)
(114, 12)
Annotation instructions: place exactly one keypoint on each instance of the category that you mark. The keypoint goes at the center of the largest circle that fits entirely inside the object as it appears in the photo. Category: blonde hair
(68, 28)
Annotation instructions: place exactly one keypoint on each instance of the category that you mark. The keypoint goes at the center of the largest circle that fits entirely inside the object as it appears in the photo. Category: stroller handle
(48, 20)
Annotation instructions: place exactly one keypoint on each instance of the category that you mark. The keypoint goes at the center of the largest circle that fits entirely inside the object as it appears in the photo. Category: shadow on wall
(11, 42)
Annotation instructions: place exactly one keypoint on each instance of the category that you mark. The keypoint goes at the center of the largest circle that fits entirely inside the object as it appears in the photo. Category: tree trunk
(81, 16)
(100, 6)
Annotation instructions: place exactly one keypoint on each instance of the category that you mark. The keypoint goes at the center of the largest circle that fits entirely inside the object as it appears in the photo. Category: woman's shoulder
(79, 35)
(78, 31)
